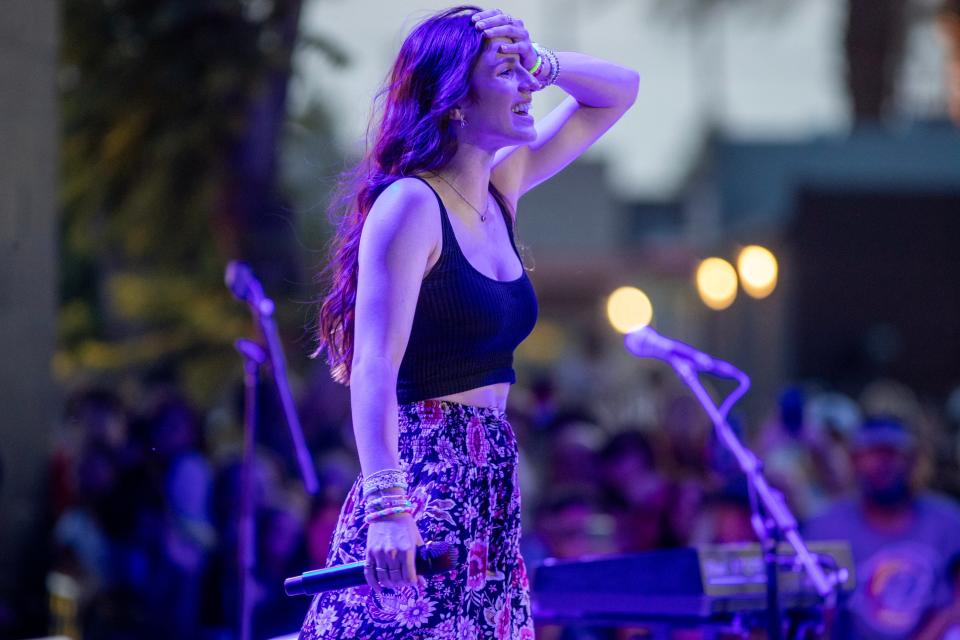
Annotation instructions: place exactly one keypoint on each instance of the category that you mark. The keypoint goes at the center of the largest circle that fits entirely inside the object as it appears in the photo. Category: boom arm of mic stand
(244, 285)
(772, 501)
(269, 329)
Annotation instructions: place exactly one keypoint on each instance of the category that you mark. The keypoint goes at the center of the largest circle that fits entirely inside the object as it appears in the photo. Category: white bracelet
(384, 479)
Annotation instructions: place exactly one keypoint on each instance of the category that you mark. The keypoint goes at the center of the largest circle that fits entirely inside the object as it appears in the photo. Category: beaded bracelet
(554, 67)
(384, 479)
(551, 57)
(384, 513)
(384, 503)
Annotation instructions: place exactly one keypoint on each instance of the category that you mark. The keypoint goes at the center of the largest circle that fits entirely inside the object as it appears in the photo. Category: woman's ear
(457, 115)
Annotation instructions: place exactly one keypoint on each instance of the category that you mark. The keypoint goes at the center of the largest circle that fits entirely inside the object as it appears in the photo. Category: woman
(428, 300)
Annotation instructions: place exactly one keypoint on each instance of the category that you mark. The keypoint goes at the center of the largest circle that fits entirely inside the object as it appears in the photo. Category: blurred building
(742, 134)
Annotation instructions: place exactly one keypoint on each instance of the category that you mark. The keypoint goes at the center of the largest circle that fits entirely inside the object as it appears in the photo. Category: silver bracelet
(384, 479)
(554, 65)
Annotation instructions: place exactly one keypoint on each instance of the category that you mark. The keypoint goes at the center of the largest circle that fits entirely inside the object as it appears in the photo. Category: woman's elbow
(631, 87)
(370, 366)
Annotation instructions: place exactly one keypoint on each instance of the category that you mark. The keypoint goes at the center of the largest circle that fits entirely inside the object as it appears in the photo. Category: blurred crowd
(145, 498)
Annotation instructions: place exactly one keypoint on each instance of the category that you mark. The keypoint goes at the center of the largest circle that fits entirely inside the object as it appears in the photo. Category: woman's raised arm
(600, 92)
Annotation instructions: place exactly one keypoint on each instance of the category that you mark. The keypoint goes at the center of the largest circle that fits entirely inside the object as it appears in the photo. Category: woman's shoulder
(405, 215)
(409, 186)
(406, 198)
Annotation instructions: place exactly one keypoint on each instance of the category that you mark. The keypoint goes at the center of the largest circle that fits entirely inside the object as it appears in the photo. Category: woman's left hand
(494, 23)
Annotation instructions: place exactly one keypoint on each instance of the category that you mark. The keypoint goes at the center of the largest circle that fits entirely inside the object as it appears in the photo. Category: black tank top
(466, 325)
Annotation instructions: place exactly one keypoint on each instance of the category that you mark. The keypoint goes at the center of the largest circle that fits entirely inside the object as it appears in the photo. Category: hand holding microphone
(431, 558)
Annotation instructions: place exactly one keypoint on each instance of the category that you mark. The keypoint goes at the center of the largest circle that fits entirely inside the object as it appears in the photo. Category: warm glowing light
(628, 309)
(758, 271)
(717, 283)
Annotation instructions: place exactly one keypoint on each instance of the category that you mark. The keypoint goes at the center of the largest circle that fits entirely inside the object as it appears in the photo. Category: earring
(463, 122)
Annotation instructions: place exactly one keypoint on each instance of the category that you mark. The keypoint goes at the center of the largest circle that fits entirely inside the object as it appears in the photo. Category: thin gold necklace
(483, 216)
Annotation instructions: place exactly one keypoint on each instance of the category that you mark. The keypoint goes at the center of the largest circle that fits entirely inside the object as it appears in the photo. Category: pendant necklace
(483, 216)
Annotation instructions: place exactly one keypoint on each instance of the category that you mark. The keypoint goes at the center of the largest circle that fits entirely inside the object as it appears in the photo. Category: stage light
(758, 271)
(628, 309)
(717, 283)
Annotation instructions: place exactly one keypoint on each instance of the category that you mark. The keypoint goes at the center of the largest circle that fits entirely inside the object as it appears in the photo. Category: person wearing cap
(901, 537)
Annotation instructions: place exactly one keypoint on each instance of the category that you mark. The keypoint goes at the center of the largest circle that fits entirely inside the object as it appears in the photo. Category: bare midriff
(492, 396)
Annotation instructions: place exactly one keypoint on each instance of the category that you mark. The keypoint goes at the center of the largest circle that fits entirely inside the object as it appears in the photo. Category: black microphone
(647, 343)
(432, 558)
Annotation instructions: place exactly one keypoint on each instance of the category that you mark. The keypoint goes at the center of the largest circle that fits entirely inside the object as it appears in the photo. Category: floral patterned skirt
(461, 464)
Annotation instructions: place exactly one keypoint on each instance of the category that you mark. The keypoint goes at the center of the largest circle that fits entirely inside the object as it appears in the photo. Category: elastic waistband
(449, 407)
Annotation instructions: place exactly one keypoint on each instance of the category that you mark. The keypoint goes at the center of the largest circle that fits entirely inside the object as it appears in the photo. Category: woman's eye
(506, 71)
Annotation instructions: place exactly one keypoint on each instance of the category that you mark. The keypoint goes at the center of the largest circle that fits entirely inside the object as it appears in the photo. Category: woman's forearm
(373, 401)
(595, 82)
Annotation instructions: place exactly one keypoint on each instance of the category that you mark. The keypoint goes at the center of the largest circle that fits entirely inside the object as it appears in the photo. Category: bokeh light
(717, 283)
(758, 271)
(629, 309)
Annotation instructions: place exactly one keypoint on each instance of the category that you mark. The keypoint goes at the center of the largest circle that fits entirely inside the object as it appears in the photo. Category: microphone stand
(772, 520)
(245, 286)
(253, 356)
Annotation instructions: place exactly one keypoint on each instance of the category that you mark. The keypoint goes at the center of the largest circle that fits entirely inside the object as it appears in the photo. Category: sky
(756, 69)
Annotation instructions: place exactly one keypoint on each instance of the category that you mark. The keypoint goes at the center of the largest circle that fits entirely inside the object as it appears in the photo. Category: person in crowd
(724, 517)
(949, 23)
(635, 492)
(787, 456)
(177, 459)
(901, 537)
(944, 624)
(689, 461)
(95, 417)
(281, 553)
(428, 300)
(572, 452)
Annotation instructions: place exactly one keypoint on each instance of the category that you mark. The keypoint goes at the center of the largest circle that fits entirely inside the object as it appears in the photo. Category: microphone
(431, 558)
(244, 286)
(647, 343)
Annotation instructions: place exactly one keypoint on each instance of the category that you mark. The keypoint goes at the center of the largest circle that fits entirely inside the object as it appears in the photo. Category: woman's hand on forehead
(494, 23)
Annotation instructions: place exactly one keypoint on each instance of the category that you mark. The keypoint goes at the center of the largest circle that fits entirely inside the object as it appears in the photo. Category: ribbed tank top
(466, 325)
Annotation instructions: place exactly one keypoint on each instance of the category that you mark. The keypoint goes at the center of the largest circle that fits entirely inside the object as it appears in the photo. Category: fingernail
(480, 24)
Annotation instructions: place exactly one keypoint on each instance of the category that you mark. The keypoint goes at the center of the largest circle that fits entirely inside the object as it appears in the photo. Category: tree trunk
(874, 46)
(253, 218)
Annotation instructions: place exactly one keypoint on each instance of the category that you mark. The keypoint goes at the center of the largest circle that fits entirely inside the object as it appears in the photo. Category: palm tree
(874, 35)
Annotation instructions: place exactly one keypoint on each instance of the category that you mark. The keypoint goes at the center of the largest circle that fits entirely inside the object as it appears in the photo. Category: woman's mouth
(522, 110)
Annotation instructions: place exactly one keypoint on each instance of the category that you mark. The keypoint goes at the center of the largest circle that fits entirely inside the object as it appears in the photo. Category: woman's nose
(529, 82)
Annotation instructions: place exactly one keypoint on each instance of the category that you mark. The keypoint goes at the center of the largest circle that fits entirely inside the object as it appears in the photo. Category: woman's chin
(526, 132)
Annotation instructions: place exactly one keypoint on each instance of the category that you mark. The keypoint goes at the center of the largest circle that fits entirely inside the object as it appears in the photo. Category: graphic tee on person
(899, 576)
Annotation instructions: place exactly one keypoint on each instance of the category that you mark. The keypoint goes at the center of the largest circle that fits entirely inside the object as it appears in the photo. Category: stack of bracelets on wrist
(537, 71)
(385, 504)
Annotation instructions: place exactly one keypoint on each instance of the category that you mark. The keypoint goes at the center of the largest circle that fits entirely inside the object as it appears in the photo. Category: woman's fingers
(370, 574)
(495, 20)
(394, 569)
(383, 569)
(485, 15)
(409, 567)
(511, 31)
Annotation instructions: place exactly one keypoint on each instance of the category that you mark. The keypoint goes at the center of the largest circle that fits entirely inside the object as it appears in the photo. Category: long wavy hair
(410, 132)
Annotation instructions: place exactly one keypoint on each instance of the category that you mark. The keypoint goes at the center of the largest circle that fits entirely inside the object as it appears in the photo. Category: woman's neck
(469, 171)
